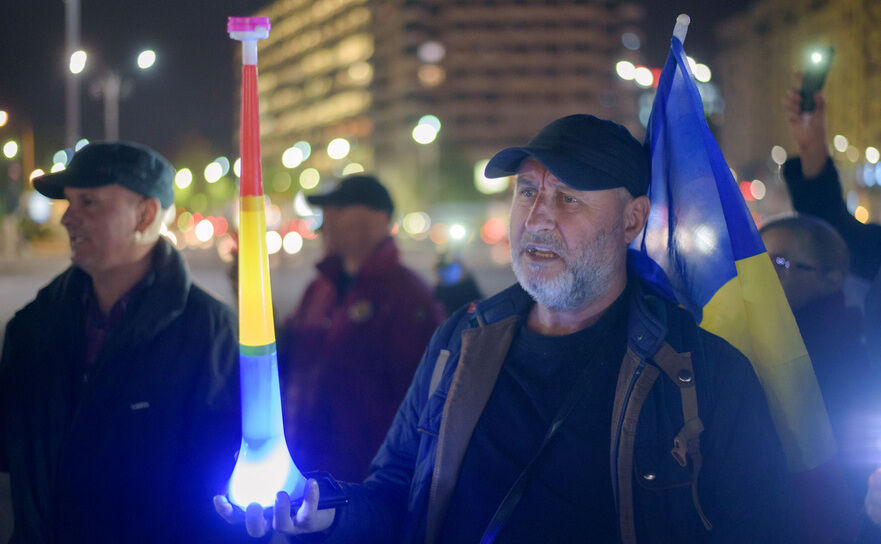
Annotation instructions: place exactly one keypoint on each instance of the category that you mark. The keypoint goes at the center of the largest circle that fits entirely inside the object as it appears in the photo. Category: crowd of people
(577, 404)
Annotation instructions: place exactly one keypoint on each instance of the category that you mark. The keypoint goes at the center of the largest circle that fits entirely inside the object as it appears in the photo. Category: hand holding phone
(815, 76)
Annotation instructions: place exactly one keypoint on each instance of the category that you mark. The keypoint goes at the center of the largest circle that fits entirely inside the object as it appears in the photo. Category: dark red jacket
(347, 360)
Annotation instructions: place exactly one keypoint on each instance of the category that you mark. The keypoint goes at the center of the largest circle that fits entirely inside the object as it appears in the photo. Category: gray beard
(586, 277)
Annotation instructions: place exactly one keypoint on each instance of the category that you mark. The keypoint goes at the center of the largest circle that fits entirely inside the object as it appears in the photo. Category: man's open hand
(308, 518)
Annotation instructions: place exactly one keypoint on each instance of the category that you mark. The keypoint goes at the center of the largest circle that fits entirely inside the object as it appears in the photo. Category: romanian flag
(702, 236)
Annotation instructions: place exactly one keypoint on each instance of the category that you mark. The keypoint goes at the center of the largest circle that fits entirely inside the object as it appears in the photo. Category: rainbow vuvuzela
(264, 465)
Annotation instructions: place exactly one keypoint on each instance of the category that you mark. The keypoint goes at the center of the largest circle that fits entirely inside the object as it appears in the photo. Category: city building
(760, 48)
(465, 78)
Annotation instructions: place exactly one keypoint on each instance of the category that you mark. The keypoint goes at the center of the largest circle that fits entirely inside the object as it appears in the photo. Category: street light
(10, 149)
(4, 118)
(78, 61)
(113, 87)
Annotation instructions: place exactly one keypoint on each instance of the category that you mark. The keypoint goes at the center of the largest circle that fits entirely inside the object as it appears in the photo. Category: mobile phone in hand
(815, 76)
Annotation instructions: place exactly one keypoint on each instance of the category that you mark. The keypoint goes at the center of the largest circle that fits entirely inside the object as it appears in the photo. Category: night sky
(188, 99)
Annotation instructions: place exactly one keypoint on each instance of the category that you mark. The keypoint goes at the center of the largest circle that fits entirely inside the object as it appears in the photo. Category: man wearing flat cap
(350, 349)
(119, 382)
(576, 405)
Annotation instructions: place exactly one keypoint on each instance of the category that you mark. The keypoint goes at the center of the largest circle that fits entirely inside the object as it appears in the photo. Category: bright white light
(261, 472)
(36, 173)
(705, 239)
(213, 172)
(60, 156)
(778, 154)
(4, 118)
(81, 144)
(840, 143)
(424, 134)
(691, 63)
(816, 57)
(10, 149)
(301, 206)
(305, 148)
(146, 59)
(273, 242)
(626, 70)
(872, 154)
(39, 207)
(224, 165)
(643, 76)
(416, 223)
(352, 168)
(487, 185)
(237, 167)
(338, 148)
(457, 231)
(702, 73)
(757, 189)
(430, 120)
(292, 157)
(292, 243)
(309, 178)
(78, 61)
(57, 167)
(183, 178)
(204, 230)
(432, 52)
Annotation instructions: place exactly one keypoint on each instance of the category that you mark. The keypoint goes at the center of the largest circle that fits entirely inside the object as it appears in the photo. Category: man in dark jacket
(350, 349)
(575, 405)
(118, 383)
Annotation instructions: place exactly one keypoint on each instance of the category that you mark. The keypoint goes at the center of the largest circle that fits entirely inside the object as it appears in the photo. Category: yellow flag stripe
(750, 312)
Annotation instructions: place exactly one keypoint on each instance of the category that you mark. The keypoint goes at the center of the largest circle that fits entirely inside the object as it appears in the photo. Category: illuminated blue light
(264, 466)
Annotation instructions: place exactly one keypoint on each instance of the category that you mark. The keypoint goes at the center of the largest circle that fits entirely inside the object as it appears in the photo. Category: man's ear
(148, 209)
(636, 213)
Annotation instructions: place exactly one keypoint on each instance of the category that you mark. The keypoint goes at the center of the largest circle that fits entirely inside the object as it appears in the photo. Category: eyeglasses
(784, 265)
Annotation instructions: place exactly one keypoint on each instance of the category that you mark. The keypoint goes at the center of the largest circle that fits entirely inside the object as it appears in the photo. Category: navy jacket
(743, 487)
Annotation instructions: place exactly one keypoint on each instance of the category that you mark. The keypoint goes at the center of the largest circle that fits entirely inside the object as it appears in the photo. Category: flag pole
(681, 27)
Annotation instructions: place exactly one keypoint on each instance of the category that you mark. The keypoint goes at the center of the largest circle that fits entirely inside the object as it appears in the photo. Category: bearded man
(576, 405)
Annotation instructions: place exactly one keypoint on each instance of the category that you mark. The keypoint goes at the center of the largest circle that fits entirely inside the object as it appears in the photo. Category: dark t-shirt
(569, 495)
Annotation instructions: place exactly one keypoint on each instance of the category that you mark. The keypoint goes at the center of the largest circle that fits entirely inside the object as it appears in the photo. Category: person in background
(119, 403)
(812, 260)
(455, 284)
(815, 189)
(349, 350)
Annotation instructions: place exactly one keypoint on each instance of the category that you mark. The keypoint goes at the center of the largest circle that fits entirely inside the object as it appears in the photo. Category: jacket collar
(646, 323)
(162, 299)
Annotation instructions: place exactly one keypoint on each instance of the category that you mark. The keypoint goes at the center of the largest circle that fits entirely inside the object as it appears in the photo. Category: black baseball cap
(136, 167)
(585, 152)
(356, 189)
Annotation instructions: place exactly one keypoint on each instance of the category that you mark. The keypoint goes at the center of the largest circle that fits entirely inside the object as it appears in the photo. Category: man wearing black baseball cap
(118, 383)
(353, 343)
(504, 435)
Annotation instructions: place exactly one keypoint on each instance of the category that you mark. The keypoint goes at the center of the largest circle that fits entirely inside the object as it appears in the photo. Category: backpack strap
(677, 366)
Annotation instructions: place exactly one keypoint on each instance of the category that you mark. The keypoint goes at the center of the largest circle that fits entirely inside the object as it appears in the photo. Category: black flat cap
(134, 166)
